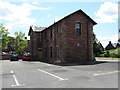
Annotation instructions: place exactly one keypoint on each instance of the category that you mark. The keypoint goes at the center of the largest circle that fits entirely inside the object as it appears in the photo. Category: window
(40, 37)
(44, 36)
(39, 49)
(78, 28)
(57, 29)
(45, 52)
(51, 33)
(57, 51)
(51, 51)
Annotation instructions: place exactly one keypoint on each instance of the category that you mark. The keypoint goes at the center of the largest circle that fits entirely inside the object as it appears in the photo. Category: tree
(4, 38)
(118, 40)
(20, 43)
(96, 48)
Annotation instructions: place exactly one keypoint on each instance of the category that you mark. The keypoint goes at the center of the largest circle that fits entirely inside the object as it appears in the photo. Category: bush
(106, 54)
(115, 53)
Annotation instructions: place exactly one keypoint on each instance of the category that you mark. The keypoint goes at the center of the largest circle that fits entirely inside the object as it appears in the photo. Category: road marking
(16, 81)
(60, 79)
(105, 73)
(65, 68)
(57, 66)
(99, 71)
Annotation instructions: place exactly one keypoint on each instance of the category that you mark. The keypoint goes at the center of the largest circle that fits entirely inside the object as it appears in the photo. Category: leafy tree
(19, 42)
(96, 46)
(4, 38)
(118, 40)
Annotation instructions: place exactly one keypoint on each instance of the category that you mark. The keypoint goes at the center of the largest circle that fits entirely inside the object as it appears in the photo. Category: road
(25, 74)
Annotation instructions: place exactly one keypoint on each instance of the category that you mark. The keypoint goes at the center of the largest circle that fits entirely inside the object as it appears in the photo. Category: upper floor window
(40, 37)
(78, 28)
(45, 36)
(57, 29)
(51, 36)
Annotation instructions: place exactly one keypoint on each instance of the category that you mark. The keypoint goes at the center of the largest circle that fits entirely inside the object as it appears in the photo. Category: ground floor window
(51, 51)
(57, 51)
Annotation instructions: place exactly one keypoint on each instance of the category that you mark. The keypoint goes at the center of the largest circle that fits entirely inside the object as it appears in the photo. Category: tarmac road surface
(25, 74)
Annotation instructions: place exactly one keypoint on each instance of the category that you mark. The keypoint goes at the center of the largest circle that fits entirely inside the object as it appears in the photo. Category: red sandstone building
(68, 40)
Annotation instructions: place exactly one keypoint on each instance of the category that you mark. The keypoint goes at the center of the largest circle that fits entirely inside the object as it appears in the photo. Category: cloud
(107, 13)
(105, 39)
(18, 15)
(35, 2)
(60, 0)
(119, 9)
(49, 15)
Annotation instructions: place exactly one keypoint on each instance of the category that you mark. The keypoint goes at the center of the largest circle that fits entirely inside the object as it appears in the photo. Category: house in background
(116, 45)
(112, 46)
(35, 42)
(11, 45)
(68, 40)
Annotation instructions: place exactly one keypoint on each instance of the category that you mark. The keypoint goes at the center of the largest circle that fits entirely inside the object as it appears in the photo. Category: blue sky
(18, 16)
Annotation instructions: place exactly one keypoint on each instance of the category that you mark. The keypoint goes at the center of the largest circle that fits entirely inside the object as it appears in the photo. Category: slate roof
(94, 23)
(36, 29)
(112, 46)
(39, 29)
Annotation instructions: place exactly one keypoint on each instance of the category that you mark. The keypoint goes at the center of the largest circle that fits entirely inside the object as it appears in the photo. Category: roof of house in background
(112, 45)
(36, 29)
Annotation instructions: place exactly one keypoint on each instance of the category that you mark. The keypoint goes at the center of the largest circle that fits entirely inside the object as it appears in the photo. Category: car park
(5, 53)
(14, 57)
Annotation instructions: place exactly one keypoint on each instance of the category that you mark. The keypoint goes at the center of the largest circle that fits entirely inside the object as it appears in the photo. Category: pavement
(35, 74)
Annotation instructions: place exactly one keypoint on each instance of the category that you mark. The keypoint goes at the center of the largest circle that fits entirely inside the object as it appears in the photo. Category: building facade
(68, 40)
(35, 43)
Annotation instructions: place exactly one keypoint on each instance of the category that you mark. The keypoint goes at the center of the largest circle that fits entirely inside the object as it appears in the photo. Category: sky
(19, 15)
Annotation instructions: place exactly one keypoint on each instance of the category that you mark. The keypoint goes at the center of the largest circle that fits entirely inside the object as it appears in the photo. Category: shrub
(115, 53)
(106, 54)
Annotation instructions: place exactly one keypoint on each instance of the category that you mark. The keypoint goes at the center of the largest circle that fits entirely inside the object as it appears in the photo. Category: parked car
(26, 56)
(14, 57)
(5, 53)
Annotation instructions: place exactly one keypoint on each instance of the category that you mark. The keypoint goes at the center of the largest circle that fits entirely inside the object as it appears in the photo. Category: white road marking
(57, 66)
(65, 68)
(105, 73)
(16, 81)
(60, 79)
